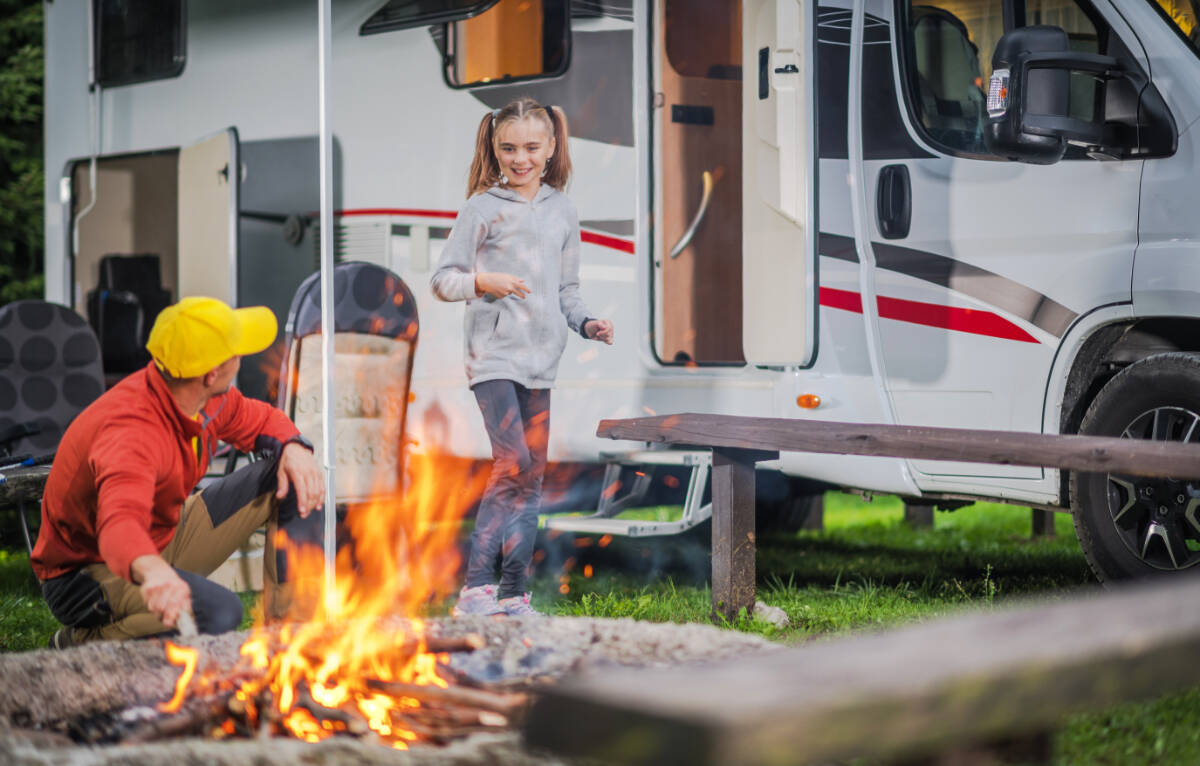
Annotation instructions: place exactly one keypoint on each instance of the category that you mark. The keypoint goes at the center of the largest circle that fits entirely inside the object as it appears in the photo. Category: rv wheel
(788, 504)
(1130, 526)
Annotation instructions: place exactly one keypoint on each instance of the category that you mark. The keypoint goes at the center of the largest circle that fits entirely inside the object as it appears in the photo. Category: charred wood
(509, 705)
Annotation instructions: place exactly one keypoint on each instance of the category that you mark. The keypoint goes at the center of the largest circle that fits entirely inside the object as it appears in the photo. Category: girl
(513, 256)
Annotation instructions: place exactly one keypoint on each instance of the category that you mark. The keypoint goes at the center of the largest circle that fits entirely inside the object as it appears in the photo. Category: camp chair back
(123, 307)
(375, 338)
(49, 371)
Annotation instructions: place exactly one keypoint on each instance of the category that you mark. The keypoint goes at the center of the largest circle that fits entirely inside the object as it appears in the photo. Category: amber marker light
(808, 401)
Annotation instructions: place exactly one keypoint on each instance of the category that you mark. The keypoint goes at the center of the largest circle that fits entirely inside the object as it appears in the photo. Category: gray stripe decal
(981, 284)
(616, 226)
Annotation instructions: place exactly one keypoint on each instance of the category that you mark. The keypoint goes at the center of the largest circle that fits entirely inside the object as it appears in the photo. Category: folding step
(603, 521)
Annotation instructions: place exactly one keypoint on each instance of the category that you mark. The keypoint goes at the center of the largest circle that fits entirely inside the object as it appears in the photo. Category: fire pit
(353, 676)
(100, 704)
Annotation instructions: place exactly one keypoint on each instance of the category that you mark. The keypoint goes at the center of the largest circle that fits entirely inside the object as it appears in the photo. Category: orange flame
(187, 657)
(404, 553)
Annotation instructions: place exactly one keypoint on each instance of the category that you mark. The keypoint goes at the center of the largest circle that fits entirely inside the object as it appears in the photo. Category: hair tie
(549, 113)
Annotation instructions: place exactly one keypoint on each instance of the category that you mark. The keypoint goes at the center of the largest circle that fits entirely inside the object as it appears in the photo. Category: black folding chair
(122, 309)
(50, 369)
(375, 339)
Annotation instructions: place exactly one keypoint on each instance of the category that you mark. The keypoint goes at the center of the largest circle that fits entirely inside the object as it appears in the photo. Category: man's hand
(163, 590)
(500, 285)
(599, 329)
(298, 468)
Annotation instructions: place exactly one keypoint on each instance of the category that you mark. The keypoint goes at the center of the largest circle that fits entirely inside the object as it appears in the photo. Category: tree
(21, 176)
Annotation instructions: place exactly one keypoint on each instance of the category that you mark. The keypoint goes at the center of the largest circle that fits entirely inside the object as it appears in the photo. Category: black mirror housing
(1029, 96)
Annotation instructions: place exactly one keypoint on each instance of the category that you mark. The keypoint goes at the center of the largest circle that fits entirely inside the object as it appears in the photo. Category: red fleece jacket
(125, 466)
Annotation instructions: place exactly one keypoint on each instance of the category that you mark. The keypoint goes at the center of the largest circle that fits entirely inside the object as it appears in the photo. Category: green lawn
(865, 571)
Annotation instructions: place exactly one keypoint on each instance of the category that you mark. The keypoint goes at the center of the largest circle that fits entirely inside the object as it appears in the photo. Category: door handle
(686, 239)
(893, 201)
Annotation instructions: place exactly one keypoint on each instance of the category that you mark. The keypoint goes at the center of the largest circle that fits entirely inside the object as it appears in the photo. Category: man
(123, 550)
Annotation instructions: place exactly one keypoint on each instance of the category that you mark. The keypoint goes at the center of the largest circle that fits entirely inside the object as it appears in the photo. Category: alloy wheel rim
(1158, 520)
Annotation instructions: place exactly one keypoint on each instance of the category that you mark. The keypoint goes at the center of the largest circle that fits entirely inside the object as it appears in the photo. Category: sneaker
(478, 600)
(518, 606)
(63, 638)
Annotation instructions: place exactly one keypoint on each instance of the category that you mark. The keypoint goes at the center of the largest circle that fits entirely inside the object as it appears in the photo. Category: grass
(866, 571)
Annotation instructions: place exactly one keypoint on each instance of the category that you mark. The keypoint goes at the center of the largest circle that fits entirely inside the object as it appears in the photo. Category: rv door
(779, 261)
(208, 215)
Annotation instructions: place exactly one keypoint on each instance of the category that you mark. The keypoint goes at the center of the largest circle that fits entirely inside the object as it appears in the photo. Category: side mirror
(1028, 104)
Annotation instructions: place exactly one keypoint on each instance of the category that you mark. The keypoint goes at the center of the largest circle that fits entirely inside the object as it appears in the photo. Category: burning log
(469, 642)
(191, 718)
(508, 705)
(347, 719)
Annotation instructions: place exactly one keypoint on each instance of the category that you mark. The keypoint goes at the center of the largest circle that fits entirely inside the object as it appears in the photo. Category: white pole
(327, 325)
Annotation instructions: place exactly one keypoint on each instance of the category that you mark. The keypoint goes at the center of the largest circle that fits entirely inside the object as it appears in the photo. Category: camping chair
(122, 309)
(375, 338)
(49, 371)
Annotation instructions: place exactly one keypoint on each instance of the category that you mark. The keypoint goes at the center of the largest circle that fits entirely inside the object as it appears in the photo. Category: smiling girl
(513, 256)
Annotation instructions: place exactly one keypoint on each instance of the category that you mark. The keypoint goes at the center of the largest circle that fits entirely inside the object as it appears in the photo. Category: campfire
(362, 665)
(372, 668)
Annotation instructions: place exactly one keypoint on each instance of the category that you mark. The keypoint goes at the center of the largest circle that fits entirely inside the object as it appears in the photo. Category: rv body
(857, 242)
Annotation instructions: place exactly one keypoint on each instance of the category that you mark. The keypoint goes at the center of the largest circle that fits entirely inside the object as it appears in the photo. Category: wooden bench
(740, 442)
(943, 686)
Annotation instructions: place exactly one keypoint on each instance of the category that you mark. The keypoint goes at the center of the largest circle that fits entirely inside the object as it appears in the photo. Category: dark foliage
(21, 174)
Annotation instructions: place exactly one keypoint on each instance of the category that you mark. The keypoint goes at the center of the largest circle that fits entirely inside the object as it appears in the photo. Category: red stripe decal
(398, 211)
(590, 237)
(930, 314)
(604, 240)
(841, 299)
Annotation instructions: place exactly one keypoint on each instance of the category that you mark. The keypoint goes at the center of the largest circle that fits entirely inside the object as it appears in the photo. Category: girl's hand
(500, 285)
(599, 329)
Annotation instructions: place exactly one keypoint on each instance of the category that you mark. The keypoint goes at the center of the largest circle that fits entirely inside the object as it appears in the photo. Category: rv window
(1182, 15)
(139, 40)
(513, 40)
(712, 50)
(405, 14)
(949, 46)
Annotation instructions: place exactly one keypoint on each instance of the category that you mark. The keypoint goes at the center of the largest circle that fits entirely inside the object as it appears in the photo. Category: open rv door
(208, 217)
(779, 231)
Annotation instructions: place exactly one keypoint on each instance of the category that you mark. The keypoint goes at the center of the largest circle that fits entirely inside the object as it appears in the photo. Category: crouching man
(124, 546)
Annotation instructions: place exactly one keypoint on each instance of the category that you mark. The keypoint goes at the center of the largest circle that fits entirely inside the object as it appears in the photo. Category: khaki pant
(213, 525)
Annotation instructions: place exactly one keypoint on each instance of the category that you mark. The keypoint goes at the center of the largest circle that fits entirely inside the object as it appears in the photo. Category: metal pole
(327, 296)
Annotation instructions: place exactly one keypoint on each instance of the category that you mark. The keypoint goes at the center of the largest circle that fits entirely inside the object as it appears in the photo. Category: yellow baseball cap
(197, 334)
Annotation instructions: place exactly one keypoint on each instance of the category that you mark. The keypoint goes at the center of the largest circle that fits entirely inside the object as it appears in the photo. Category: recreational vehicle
(967, 213)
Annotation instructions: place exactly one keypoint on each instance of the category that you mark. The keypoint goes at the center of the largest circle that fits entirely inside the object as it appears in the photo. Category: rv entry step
(613, 501)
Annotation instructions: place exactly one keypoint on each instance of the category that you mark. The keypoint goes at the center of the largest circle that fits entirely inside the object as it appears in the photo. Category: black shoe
(63, 638)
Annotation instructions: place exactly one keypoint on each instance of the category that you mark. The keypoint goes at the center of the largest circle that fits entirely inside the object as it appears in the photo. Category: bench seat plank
(906, 691)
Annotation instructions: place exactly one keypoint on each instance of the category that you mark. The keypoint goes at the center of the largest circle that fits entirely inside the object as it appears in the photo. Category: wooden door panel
(701, 130)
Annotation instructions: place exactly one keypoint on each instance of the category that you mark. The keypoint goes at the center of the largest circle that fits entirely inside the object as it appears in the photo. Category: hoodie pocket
(481, 329)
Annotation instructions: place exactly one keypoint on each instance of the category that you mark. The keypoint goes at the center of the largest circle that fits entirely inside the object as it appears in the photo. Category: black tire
(1133, 527)
(787, 504)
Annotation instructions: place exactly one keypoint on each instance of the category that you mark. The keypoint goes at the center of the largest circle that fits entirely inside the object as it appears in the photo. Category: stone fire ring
(40, 688)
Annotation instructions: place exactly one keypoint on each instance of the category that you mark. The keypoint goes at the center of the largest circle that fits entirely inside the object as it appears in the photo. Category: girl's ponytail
(558, 169)
(485, 172)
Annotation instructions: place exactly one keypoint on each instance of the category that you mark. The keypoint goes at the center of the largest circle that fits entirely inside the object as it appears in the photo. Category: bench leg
(733, 544)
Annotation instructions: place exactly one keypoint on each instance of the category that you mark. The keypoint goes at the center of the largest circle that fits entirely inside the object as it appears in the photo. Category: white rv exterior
(1011, 297)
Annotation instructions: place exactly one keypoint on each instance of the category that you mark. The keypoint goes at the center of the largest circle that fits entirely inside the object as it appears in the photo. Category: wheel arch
(1110, 348)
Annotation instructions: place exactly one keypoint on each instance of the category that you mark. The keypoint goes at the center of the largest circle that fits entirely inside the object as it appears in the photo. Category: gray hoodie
(500, 231)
